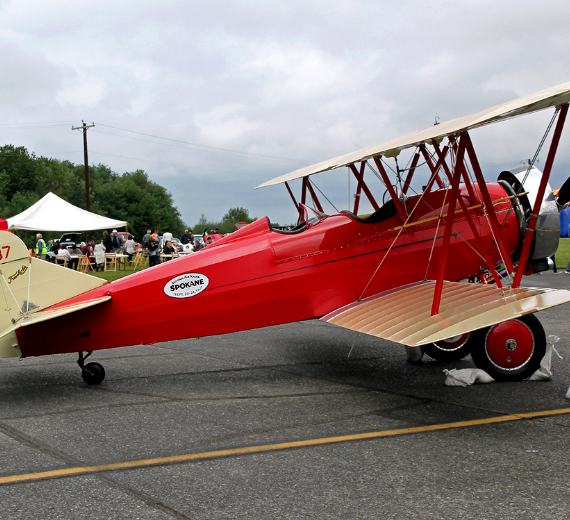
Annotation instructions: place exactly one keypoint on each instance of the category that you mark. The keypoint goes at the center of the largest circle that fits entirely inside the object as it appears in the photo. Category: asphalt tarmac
(258, 424)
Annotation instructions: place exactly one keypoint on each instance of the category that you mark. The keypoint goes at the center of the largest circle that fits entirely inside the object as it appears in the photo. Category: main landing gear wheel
(92, 373)
(512, 350)
(451, 349)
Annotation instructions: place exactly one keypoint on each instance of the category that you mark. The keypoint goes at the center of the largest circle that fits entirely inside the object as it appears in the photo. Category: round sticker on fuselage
(186, 285)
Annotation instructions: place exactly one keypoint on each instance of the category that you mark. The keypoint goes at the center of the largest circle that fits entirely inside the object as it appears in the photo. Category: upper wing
(551, 97)
(404, 314)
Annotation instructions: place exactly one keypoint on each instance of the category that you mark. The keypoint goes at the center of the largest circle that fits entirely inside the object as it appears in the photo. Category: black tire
(93, 373)
(510, 351)
(449, 350)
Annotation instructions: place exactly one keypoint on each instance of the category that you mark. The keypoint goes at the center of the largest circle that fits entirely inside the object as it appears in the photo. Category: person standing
(153, 251)
(41, 249)
(186, 238)
(567, 270)
(146, 237)
(107, 242)
(167, 236)
(130, 248)
(99, 251)
(117, 242)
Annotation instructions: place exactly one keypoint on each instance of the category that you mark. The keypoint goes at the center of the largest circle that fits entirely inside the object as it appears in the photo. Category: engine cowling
(547, 232)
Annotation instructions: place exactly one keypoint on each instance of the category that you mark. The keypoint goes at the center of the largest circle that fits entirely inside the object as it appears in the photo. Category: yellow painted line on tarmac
(274, 447)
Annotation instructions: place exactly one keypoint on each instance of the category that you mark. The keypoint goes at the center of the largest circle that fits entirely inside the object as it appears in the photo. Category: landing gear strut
(92, 373)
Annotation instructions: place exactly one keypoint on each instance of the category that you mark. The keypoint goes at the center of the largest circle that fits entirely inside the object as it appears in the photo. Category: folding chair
(139, 261)
(84, 264)
(110, 262)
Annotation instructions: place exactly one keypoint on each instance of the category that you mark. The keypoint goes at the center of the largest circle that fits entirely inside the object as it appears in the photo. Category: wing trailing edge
(404, 315)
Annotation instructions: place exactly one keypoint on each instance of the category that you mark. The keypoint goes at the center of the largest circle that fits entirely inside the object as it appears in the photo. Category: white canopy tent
(52, 213)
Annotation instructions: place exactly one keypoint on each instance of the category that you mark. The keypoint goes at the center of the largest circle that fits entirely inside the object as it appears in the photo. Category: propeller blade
(564, 193)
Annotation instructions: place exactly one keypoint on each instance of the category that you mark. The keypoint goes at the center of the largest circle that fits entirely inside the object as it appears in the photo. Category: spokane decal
(186, 285)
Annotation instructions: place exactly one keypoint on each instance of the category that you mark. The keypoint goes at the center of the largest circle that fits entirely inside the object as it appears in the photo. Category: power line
(230, 154)
(213, 149)
(176, 165)
(187, 144)
(35, 125)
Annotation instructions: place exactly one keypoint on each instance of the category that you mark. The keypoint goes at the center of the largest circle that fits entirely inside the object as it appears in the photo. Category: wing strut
(292, 196)
(390, 188)
(463, 172)
(361, 182)
(411, 172)
(455, 177)
(488, 204)
(434, 169)
(540, 195)
(359, 187)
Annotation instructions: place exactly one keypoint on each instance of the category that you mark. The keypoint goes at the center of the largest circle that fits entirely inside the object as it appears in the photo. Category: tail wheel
(451, 349)
(93, 373)
(512, 350)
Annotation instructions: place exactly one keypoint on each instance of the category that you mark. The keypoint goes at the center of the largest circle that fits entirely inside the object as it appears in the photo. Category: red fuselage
(258, 276)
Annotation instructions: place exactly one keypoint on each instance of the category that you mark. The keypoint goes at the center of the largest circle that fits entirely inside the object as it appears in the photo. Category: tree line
(132, 196)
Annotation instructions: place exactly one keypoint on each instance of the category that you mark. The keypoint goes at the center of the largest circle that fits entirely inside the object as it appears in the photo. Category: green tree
(132, 196)
(235, 215)
(141, 202)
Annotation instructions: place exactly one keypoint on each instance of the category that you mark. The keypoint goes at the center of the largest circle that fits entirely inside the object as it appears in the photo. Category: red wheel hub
(509, 345)
(453, 343)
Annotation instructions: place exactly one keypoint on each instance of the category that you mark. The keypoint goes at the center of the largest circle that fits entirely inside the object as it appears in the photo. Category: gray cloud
(297, 82)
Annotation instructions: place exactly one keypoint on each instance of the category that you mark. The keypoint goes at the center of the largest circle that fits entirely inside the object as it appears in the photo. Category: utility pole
(86, 160)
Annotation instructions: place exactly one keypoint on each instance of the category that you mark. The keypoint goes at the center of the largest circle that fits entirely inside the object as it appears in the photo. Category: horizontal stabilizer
(30, 285)
(403, 315)
(50, 314)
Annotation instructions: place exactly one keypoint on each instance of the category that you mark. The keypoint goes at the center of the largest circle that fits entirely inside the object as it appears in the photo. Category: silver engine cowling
(547, 234)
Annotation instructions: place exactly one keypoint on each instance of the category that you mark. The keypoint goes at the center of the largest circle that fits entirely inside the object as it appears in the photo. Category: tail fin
(29, 285)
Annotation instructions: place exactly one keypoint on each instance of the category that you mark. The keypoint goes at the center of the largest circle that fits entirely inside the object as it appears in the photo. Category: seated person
(73, 262)
(51, 252)
(63, 252)
(168, 250)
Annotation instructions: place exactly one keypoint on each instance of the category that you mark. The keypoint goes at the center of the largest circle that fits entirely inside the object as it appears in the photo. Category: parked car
(70, 240)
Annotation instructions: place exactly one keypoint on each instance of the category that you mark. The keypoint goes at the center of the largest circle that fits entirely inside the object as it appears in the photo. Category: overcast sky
(236, 93)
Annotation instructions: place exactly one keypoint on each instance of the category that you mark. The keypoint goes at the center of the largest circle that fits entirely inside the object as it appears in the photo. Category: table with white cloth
(121, 261)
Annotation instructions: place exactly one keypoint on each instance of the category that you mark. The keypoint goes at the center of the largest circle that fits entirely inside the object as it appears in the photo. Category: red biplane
(400, 273)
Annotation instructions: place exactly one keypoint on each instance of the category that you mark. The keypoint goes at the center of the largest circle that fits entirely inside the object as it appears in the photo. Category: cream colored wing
(404, 315)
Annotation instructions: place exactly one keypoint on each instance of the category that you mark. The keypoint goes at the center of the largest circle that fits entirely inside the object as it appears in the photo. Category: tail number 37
(7, 252)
